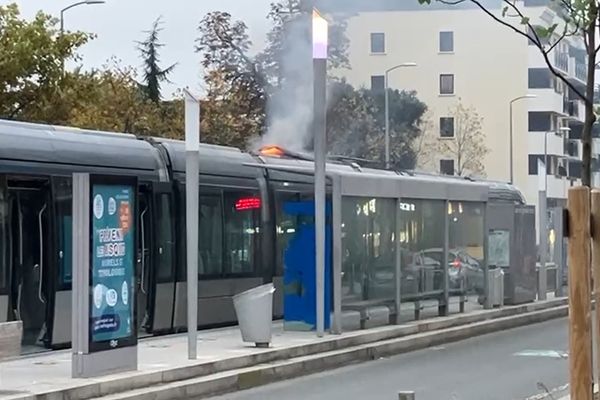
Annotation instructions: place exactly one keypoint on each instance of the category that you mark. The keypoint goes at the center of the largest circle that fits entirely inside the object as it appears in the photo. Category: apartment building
(462, 55)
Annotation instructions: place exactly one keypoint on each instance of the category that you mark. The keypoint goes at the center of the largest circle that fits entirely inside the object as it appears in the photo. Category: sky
(119, 23)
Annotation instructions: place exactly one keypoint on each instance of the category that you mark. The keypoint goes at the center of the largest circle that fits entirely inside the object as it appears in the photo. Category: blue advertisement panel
(113, 268)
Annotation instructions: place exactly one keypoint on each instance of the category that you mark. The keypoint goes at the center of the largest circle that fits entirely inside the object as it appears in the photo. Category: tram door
(156, 252)
(143, 268)
(30, 249)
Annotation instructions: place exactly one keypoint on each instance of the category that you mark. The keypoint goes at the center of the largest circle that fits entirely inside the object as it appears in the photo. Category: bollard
(406, 395)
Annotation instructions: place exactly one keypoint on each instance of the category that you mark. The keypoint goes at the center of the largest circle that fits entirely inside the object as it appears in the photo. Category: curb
(228, 370)
(246, 378)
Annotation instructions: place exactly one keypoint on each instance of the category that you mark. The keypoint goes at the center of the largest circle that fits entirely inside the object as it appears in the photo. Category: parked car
(464, 271)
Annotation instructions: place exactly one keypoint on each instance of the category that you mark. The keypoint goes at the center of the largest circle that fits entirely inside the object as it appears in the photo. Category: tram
(242, 235)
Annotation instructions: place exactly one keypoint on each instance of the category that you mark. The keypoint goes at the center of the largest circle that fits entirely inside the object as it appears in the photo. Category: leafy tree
(114, 101)
(236, 99)
(291, 37)
(356, 120)
(576, 19)
(154, 75)
(32, 53)
(350, 121)
(468, 147)
(405, 115)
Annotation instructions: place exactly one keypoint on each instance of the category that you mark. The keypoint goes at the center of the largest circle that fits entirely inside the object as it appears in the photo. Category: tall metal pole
(511, 166)
(320, 32)
(62, 19)
(387, 108)
(511, 143)
(192, 170)
(387, 121)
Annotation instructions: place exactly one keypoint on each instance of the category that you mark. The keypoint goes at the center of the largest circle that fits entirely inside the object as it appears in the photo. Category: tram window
(63, 200)
(210, 236)
(4, 240)
(165, 240)
(242, 211)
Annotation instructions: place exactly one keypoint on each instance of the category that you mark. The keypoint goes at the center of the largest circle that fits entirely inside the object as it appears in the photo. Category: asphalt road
(501, 366)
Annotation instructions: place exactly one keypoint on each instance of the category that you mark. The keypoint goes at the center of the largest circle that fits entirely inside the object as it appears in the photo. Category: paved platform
(164, 359)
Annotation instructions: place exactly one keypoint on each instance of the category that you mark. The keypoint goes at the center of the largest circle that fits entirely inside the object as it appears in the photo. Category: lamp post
(192, 170)
(387, 109)
(62, 18)
(527, 96)
(80, 3)
(319, 45)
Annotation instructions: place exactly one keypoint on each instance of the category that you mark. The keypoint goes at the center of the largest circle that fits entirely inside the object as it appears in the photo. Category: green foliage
(31, 63)
(235, 105)
(356, 124)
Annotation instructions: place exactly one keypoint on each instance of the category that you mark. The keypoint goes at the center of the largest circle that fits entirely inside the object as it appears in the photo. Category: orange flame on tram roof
(272, 151)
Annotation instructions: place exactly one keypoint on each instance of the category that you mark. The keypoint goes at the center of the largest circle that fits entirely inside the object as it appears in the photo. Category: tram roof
(214, 159)
(28, 142)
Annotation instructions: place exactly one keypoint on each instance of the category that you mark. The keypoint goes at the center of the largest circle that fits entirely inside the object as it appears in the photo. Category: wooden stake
(580, 327)
(596, 268)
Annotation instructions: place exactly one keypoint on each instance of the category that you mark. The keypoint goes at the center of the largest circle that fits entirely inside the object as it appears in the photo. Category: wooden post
(596, 268)
(580, 327)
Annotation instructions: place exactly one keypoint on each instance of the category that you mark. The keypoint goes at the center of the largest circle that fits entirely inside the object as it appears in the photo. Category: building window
(447, 167)
(447, 127)
(540, 121)
(446, 42)
(552, 164)
(378, 83)
(378, 43)
(446, 84)
(540, 78)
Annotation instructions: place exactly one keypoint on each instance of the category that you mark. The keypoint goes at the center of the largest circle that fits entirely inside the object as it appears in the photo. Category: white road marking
(542, 353)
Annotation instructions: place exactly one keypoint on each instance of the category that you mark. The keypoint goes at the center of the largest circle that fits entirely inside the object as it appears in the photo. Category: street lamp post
(62, 17)
(527, 96)
(320, 29)
(387, 109)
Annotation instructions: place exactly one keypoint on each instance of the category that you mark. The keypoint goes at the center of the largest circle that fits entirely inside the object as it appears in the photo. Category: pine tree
(153, 74)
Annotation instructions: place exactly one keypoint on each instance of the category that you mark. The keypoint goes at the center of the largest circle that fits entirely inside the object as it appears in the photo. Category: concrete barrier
(10, 339)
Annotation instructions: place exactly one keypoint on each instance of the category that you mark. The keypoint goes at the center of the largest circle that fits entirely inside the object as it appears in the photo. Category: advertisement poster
(113, 255)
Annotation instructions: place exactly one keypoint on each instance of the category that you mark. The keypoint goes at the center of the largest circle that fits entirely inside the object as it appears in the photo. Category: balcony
(547, 100)
(577, 71)
(575, 109)
(561, 61)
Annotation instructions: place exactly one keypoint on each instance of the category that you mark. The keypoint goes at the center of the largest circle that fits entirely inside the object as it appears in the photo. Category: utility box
(299, 276)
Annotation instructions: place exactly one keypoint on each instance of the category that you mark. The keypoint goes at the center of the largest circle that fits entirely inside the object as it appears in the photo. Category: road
(501, 366)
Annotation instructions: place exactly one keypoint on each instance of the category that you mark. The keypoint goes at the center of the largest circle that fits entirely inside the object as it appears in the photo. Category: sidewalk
(163, 361)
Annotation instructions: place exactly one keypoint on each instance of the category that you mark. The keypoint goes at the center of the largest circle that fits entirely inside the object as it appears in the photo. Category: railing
(581, 71)
(561, 60)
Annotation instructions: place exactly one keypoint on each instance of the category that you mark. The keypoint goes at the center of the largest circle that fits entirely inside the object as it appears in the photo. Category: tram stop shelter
(402, 243)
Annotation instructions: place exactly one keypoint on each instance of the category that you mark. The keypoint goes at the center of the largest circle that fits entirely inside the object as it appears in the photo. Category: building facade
(463, 56)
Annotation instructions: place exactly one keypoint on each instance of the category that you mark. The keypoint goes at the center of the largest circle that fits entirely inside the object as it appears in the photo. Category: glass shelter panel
(368, 249)
(466, 248)
(421, 237)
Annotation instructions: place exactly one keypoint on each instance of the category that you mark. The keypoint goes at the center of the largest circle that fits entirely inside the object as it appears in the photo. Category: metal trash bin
(496, 286)
(254, 310)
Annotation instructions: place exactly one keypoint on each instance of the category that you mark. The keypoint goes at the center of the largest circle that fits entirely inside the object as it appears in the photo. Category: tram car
(242, 235)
